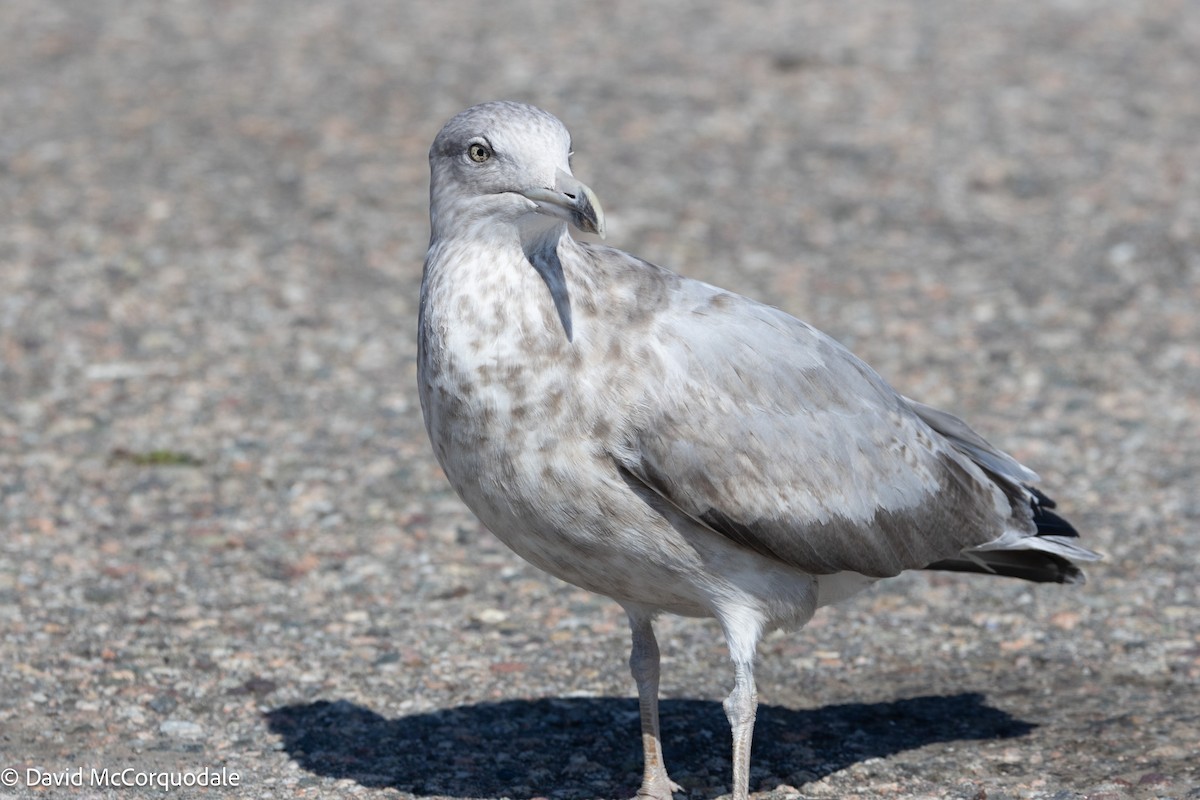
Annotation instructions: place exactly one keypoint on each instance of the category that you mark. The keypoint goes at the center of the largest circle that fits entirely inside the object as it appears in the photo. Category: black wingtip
(1048, 523)
(1051, 524)
(1040, 498)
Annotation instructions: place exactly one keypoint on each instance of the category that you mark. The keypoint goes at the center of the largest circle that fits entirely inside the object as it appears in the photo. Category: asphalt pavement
(229, 564)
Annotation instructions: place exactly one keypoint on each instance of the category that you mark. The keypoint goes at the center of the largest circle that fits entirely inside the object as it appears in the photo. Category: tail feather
(1048, 556)
(1028, 565)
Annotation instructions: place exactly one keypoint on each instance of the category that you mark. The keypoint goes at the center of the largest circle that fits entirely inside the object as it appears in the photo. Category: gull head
(507, 164)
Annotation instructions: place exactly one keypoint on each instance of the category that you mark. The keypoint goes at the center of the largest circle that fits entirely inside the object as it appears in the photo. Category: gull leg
(643, 664)
(741, 707)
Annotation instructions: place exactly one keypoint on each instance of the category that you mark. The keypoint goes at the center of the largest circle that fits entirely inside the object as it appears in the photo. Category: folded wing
(771, 433)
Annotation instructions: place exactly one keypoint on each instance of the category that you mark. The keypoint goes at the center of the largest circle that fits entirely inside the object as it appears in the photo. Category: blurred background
(225, 542)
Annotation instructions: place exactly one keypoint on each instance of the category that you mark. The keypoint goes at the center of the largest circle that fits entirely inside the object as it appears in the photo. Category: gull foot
(659, 789)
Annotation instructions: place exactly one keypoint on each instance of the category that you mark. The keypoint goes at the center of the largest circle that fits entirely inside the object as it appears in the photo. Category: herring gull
(675, 446)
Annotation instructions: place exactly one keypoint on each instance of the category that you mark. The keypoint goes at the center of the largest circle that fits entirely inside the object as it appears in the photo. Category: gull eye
(478, 152)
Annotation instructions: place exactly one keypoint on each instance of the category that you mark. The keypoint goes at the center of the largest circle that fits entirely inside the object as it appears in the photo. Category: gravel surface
(228, 552)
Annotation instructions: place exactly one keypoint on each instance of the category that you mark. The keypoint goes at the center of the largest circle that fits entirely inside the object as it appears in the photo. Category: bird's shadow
(589, 747)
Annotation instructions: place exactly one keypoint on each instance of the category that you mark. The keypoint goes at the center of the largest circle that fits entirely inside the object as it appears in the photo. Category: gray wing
(771, 433)
(970, 443)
